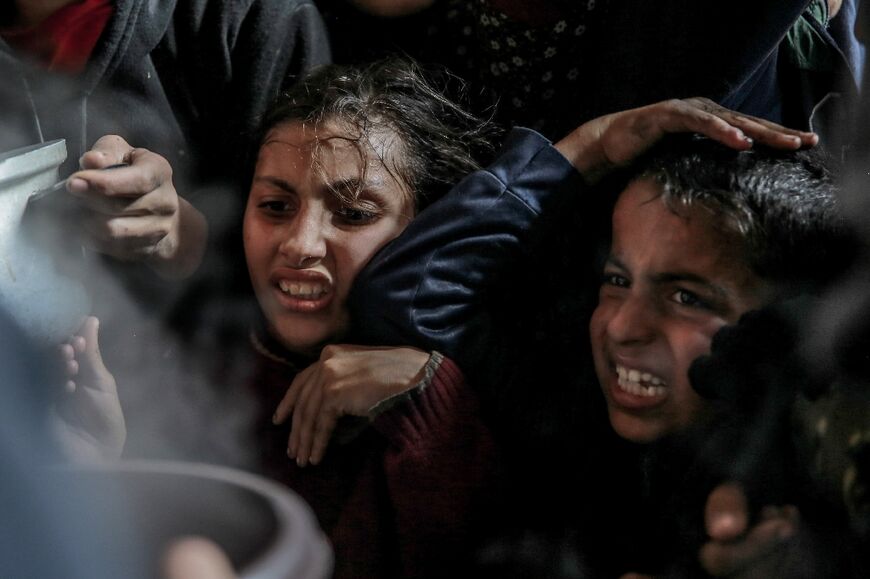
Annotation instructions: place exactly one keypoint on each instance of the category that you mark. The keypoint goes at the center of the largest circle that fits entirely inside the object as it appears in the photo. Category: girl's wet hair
(439, 142)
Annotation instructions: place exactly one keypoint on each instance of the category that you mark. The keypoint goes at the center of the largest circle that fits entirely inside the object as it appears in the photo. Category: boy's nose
(633, 322)
(305, 244)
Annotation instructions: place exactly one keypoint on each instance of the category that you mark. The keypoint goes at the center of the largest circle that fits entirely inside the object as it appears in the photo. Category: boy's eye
(357, 215)
(615, 279)
(687, 298)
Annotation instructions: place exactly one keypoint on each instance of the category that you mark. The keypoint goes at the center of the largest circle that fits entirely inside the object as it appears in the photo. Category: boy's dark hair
(440, 141)
(782, 204)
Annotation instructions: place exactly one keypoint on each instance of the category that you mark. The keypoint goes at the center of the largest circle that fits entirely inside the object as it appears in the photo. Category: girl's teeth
(301, 289)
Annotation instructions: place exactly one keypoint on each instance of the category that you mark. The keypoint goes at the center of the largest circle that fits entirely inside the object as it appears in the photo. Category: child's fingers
(726, 514)
(632, 132)
(303, 420)
(707, 118)
(649, 124)
(305, 391)
(760, 130)
(91, 367)
(71, 368)
(89, 335)
(285, 407)
(78, 344)
(757, 550)
(68, 360)
(323, 430)
(731, 128)
(772, 136)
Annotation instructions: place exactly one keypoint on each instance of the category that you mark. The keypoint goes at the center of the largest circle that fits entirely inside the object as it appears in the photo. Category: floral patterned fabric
(528, 68)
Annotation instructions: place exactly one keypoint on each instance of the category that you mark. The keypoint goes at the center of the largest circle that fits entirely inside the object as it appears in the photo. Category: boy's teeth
(639, 383)
(304, 290)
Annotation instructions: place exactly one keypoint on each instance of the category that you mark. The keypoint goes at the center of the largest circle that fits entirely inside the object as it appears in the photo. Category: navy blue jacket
(434, 287)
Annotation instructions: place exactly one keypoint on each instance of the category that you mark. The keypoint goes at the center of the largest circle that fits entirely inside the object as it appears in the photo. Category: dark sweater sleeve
(276, 43)
(442, 471)
(222, 64)
(429, 288)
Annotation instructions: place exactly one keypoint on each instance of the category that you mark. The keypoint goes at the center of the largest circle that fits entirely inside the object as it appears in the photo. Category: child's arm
(431, 288)
(87, 420)
(346, 381)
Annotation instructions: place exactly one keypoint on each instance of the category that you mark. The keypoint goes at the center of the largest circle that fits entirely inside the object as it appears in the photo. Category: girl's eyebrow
(356, 188)
(356, 184)
(275, 182)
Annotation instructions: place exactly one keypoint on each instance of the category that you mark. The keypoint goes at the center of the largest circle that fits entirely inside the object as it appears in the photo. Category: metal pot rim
(312, 558)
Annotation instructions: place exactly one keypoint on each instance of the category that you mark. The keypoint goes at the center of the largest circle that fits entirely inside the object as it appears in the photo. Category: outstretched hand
(738, 548)
(612, 141)
(133, 213)
(346, 381)
(87, 419)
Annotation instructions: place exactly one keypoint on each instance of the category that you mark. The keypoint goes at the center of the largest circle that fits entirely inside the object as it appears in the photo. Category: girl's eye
(615, 279)
(275, 206)
(357, 215)
(690, 299)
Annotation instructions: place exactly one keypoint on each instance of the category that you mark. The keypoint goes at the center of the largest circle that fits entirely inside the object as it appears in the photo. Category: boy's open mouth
(639, 383)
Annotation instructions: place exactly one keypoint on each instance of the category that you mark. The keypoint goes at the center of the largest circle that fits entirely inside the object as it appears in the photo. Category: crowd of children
(466, 362)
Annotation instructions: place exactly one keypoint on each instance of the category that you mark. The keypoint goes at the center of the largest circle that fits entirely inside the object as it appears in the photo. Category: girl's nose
(305, 244)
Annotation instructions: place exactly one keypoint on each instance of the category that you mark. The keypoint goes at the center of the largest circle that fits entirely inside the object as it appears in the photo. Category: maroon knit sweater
(408, 497)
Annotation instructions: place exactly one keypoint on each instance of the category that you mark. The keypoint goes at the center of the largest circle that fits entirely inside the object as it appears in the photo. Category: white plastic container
(38, 281)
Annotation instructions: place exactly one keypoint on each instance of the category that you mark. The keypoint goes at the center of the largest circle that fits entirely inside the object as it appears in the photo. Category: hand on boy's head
(614, 140)
(88, 419)
(346, 381)
(133, 212)
(738, 547)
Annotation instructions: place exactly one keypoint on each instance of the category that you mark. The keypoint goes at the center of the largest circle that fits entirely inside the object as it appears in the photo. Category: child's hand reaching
(739, 548)
(87, 418)
(346, 381)
(615, 140)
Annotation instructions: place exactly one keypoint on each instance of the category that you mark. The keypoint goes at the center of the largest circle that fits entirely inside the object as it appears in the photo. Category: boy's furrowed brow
(614, 261)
